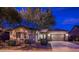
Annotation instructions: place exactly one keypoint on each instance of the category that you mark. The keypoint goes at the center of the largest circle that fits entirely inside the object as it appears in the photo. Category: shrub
(29, 41)
(11, 43)
(43, 41)
(26, 41)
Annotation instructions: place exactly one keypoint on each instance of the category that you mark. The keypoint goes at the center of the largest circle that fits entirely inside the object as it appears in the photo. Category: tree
(10, 14)
(42, 19)
(46, 19)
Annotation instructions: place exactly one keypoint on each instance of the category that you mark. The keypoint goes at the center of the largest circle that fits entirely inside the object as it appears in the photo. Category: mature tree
(9, 14)
(46, 19)
(42, 19)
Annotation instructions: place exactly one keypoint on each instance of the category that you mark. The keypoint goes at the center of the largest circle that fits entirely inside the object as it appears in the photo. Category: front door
(43, 36)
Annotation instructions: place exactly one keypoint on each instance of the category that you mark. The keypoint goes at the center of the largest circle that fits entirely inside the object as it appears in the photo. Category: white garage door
(57, 37)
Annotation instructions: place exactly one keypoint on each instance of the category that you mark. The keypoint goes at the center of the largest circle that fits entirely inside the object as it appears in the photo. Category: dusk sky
(65, 17)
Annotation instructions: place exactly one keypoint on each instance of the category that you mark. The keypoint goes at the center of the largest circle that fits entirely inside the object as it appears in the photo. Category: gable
(21, 29)
(75, 31)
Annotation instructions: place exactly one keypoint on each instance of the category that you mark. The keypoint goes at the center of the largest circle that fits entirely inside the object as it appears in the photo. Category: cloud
(71, 21)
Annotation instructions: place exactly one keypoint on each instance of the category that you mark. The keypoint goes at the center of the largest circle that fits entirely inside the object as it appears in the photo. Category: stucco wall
(13, 33)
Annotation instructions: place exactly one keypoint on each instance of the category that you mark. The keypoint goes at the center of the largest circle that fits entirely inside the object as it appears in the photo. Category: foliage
(10, 14)
(42, 19)
(43, 41)
(11, 43)
(32, 14)
(26, 42)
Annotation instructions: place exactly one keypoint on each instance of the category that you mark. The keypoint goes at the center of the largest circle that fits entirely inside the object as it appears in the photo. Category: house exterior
(74, 33)
(54, 35)
(22, 33)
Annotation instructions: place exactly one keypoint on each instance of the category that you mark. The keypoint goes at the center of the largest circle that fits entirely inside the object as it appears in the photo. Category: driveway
(64, 46)
(56, 46)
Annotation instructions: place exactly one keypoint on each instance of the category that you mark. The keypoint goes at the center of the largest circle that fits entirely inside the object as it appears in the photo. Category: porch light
(67, 35)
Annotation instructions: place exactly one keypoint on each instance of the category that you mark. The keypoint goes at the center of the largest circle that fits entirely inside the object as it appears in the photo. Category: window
(25, 35)
(18, 34)
(42, 36)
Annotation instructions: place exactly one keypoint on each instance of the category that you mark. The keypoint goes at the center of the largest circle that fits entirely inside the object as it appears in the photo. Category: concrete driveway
(64, 46)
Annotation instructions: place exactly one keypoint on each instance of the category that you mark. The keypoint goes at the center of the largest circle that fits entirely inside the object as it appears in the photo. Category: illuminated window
(18, 34)
(25, 35)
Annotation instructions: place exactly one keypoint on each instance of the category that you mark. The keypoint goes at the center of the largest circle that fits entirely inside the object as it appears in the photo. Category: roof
(54, 30)
(76, 26)
(21, 27)
(75, 30)
(58, 30)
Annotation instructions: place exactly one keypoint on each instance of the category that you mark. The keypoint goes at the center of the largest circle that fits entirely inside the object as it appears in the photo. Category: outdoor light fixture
(49, 35)
(67, 35)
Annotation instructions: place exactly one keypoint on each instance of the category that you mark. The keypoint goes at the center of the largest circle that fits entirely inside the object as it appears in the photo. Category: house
(74, 33)
(21, 33)
(54, 35)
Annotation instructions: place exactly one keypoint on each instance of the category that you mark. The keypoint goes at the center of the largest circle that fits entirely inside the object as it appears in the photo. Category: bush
(43, 41)
(28, 41)
(11, 43)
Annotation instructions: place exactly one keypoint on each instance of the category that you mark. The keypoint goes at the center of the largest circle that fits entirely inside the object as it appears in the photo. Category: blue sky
(65, 17)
